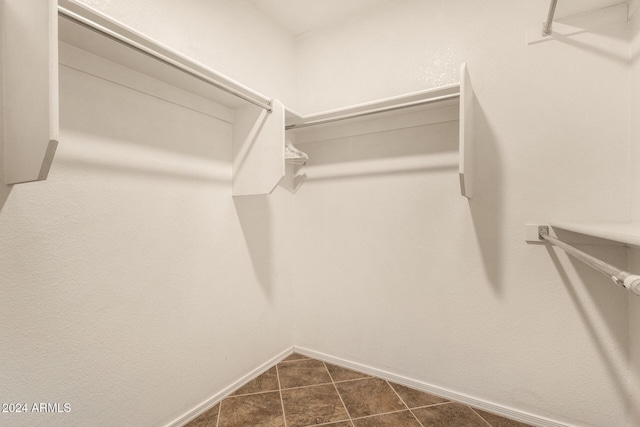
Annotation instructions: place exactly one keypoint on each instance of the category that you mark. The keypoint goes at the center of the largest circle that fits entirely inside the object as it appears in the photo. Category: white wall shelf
(440, 96)
(259, 122)
(400, 109)
(626, 233)
(30, 79)
(92, 31)
(36, 31)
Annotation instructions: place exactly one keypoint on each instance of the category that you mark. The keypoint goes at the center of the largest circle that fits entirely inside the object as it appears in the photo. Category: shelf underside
(170, 70)
(627, 233)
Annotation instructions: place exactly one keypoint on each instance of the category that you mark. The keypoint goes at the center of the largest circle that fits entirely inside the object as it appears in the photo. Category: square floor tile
(313, 405)
(498, 421)
(268, 381)
(339, 373)
(370, 396)
(396, 419)
(414, 398)
(302, 373)
(255, 410)
(449, 415)
(208, 419)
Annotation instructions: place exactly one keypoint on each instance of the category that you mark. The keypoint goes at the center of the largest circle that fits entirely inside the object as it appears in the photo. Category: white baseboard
(444, 393)
(370, 370)
(216, 398)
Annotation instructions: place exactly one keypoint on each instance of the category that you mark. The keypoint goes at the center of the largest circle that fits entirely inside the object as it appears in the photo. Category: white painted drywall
(634, 113)
(396, 270)
(634, 255)
(133, 286)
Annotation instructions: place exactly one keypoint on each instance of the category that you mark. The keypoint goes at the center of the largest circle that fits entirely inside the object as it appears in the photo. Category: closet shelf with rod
(458, 95)
(71, 34)
(619, 233)
(258, 135)
(74, 35)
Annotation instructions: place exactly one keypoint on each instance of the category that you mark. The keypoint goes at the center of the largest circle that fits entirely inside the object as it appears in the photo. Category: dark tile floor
(302, 392)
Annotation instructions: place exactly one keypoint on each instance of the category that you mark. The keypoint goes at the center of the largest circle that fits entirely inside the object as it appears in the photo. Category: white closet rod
(619, 277)
(264, 103)
(546, 29)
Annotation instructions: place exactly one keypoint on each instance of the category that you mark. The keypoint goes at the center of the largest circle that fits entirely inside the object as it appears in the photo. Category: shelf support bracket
(29, 68)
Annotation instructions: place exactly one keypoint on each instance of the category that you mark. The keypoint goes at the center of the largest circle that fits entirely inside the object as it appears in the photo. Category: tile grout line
(305, 386)
(356, 379)
(481, 417)
(404, 403)
(296, 360)
(434, 405)
(284, 416)
(339, 395)
(219, 410)
(385, 413)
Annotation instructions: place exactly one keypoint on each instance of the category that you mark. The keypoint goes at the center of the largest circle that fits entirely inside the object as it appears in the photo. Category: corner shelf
(445, 94)
(457, 95)
(75, 35)
(627, 233)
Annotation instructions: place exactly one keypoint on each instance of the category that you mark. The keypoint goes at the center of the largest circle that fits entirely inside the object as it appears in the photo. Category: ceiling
(300, 16)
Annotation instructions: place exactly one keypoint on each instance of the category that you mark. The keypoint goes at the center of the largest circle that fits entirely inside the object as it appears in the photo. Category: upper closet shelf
(258, 121)
(627, 233)
(446, 95)
(94, 32)
(82, 38)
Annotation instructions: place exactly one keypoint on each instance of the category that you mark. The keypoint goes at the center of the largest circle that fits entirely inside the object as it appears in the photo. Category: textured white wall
(634, 259)
(634, 121)
(133, 286)
(398, 271)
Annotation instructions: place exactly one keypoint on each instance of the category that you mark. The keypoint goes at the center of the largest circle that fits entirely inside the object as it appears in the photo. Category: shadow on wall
(5, 189)
(124, 116)
(427, 148)
(582, 24)
(487, 204)
(105, 135)
(293, 179)
(254, 214)
(601, 293)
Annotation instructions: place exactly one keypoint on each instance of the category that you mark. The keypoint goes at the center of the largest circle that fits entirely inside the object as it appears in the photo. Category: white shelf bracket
(465, 168)
(30, 79)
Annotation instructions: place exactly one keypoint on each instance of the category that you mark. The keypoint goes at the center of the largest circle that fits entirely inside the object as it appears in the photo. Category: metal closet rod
(546, 29)
(619, 277)
(87, 23)
(372, 111)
